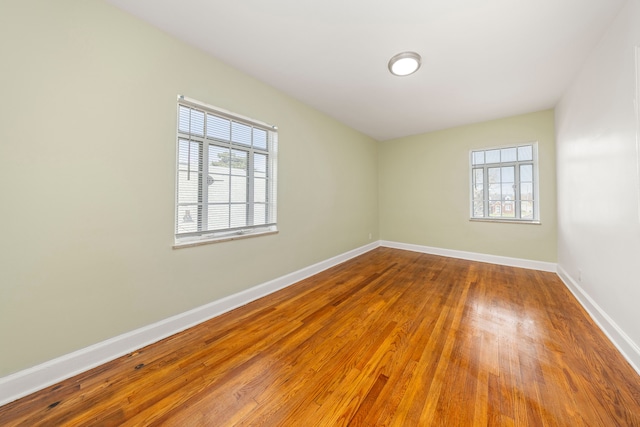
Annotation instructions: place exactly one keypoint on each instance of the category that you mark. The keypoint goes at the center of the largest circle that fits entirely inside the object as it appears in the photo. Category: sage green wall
(87, 177)
(424, 189)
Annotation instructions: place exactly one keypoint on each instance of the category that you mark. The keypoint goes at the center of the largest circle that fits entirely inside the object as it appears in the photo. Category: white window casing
(504, 184)
(226, 178)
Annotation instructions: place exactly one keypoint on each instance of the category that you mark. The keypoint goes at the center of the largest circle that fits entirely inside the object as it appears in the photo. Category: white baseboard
(25, 382)
(629, 349)
(474, 256)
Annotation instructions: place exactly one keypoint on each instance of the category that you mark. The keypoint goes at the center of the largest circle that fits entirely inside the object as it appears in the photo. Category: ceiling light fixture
(404, 63)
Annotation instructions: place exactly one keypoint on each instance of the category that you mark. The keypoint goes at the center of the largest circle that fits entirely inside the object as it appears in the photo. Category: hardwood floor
(389, 338)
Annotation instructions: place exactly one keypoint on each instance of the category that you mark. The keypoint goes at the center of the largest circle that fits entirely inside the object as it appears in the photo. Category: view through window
(226, 177)
(504, 183)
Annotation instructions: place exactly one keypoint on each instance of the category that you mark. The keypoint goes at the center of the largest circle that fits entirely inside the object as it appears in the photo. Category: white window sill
(507, 221)
(200, 241)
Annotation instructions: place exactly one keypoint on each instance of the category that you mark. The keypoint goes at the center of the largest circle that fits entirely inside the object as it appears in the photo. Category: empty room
(320, 213)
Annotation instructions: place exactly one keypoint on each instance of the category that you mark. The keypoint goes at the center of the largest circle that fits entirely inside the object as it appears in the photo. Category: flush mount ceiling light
(404, 63)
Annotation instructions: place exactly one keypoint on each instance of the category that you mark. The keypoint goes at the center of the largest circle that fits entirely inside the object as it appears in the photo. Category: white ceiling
(482, 59)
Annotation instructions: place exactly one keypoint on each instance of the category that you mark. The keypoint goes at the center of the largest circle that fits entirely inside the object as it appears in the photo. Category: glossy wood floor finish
(389, 338)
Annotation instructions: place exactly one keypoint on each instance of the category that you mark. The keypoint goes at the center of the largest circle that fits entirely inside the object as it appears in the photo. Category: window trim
(535, 181)
(198, 238)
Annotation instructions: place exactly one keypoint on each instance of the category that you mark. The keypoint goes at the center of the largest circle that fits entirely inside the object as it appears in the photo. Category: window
(226, 177)
(504, 183)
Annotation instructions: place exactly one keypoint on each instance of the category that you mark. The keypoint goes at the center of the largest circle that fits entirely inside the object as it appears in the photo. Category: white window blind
(226, 174)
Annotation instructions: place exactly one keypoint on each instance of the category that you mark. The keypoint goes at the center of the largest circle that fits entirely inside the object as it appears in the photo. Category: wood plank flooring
(390, 338)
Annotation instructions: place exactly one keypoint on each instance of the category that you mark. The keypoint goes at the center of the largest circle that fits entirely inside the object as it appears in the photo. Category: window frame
(204, 142)
(517, 184)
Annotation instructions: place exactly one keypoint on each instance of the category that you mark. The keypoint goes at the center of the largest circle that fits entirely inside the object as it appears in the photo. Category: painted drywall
(424, 189)
(87, 178)
(598, 177)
